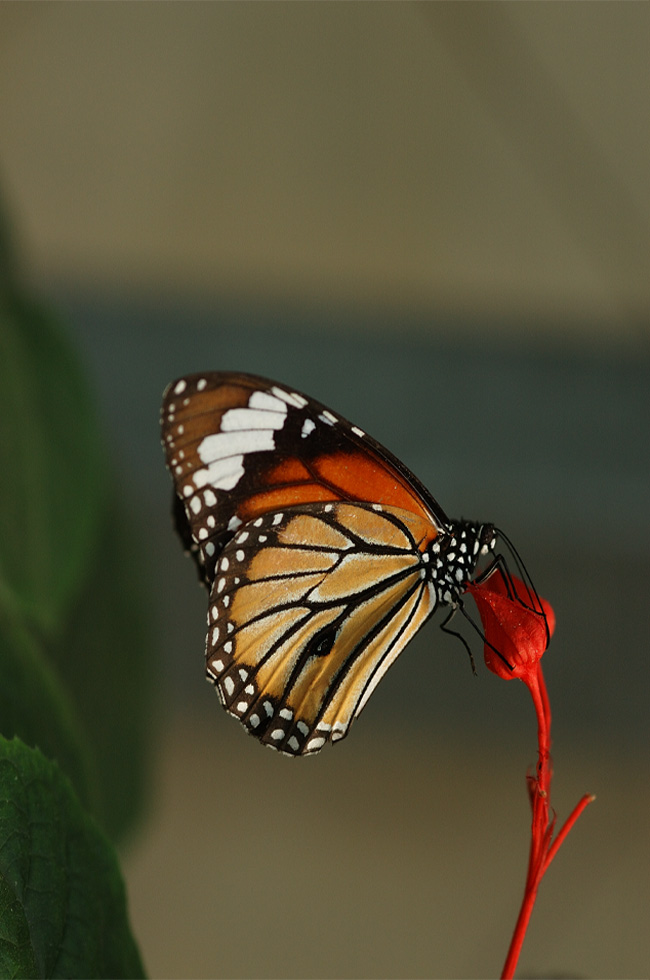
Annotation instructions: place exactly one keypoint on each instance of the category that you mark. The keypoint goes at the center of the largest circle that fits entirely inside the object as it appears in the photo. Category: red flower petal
(516, 631)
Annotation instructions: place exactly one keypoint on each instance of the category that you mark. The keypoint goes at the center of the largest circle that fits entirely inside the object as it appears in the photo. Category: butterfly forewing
(239, 446)
(309, 607)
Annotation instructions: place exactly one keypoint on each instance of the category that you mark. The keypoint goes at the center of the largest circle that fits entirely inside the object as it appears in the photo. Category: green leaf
(74, 646)
(105, 658)
(7, 256)
(62, 898)
(35, 706)
(16, 954)
(52, 467)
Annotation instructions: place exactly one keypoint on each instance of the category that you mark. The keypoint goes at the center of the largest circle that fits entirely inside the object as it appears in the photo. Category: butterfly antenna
(534, 603)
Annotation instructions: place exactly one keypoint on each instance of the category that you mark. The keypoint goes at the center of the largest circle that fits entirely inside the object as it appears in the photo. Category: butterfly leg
(445, 629)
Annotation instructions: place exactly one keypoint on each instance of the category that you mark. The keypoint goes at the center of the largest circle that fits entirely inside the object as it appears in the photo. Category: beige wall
(476, 159)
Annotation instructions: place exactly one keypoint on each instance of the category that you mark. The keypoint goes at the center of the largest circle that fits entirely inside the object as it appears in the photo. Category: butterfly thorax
(453, 557)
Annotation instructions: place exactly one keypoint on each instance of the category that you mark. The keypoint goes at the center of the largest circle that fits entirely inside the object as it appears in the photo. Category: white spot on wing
(314, 744)
(266, 402)
(263, 414)
(243, 419)
(224, 444)
(180, 387)
(291, 398)
(225, 474)
(307, 426)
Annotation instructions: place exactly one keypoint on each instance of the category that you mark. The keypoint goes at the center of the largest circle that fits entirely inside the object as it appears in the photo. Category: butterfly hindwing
(309, 606)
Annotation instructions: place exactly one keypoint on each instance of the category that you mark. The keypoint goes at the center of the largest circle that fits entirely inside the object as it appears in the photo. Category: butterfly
(322, 553)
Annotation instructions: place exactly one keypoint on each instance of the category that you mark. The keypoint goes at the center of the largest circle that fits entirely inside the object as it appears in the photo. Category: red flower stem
(537, 687)
(539, 838)
(545, 703)
(542, 848)
(517, 941)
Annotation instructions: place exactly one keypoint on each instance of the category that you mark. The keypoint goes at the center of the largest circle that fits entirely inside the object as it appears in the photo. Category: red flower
(511, 625)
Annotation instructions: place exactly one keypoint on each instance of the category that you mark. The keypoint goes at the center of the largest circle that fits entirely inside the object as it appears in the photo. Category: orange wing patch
(270, 501)
(359, 477)
(289, 471)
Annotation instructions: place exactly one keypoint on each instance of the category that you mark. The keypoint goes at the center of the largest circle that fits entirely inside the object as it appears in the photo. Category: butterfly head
(455, 557)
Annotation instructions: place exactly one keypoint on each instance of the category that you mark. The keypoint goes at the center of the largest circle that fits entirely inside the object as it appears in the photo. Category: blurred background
(436, 219)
